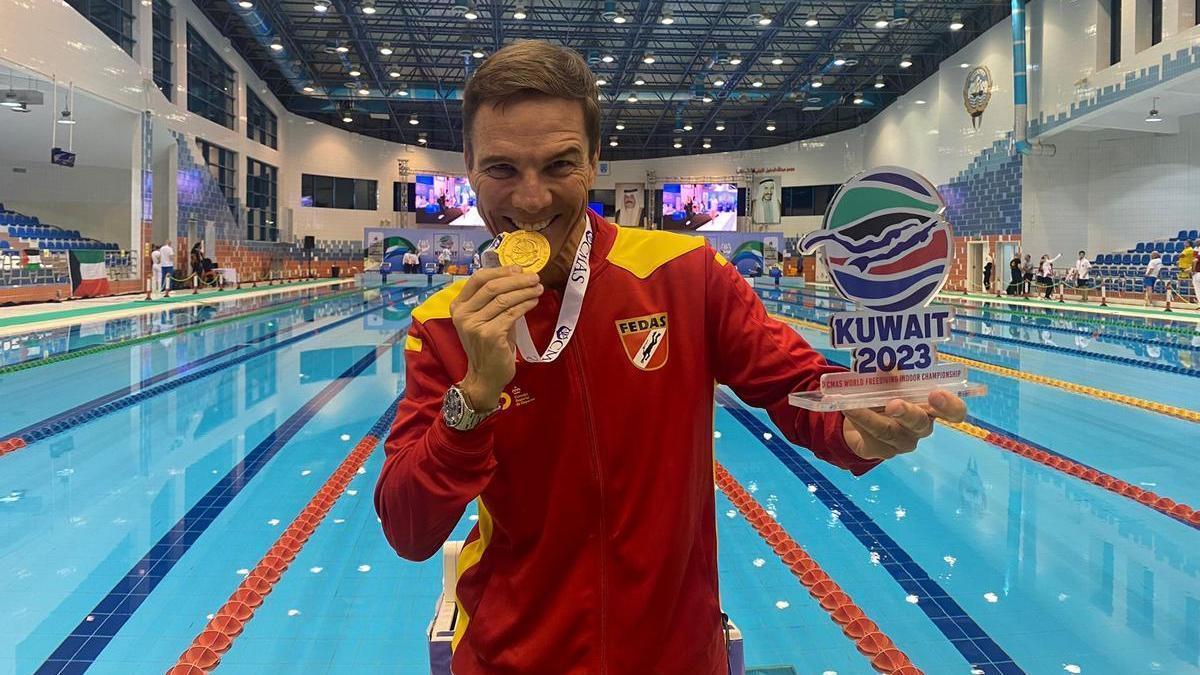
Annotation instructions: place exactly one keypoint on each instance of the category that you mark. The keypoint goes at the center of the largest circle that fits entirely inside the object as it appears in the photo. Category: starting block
(441, 628)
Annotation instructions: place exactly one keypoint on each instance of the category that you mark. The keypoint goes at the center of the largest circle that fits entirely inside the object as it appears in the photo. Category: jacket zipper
(591, 437)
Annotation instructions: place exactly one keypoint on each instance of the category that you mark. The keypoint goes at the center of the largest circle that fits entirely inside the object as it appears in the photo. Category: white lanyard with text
(568, 314)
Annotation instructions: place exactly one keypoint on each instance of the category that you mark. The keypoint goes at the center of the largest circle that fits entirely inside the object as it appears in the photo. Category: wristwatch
(458, 413)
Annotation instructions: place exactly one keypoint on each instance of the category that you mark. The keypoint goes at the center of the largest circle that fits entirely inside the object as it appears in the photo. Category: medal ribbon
(568, 314)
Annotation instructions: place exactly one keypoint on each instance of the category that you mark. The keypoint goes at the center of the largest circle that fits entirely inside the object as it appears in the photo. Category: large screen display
(445, 200)
(706, 207)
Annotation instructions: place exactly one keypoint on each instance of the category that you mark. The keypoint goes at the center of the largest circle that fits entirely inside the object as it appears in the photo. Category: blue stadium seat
(1145, 259)
(3, 244)
(1182, 234)
(1140, 248)
(1169, 259)
(1127, 259)
(1159, 246)
(1194, 235)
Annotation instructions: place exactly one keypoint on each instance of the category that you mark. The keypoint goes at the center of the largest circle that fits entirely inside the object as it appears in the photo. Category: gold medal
(530, 250)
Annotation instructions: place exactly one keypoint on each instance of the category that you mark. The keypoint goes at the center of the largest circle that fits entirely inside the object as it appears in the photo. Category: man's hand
(484, 314)
(899, 426)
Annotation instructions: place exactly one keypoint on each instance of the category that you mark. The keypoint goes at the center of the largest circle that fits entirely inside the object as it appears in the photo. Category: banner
(89, 276)
(765, 205)
(631, 206)
(752, 253)
(453, 249)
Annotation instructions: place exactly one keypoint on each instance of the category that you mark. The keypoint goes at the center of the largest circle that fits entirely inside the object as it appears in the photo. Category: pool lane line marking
(1132, 401)
(102, 406)
(1096, 356)
(79, 650)
(130, 342)
(1010, 442)
(964, 634)
(205, 651)
(880, 650)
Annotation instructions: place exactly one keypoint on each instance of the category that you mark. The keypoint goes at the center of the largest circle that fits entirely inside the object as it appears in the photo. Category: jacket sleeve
(431, 471)
(763, 360)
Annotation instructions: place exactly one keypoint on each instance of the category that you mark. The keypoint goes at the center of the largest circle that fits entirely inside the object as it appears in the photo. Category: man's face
(530, 167)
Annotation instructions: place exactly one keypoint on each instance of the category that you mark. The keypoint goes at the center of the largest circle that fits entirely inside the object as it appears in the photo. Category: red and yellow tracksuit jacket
(596, 545)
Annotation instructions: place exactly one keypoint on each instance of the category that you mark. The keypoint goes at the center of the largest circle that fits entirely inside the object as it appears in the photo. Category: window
(410, 203)
(1114, 32)
(807, 200)
(113, 17)
(210, 82)
(222, 165)
(262, 201)
(261, 124)
(162, 46)
(1156, 17)
(327, 192)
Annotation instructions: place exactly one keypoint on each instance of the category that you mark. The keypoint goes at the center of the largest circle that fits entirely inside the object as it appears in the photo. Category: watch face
(453, 408)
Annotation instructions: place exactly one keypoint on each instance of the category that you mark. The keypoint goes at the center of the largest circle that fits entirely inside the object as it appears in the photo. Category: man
(1082, 281)
(988, 265)
(1186, 259)
(155, 268)
(412, 262)
(592, 462)
(166, 261)
(444, 257)
(1027, 275)
(1046, 270)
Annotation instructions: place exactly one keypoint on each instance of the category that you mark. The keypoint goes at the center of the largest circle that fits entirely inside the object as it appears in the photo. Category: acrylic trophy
(888, 248)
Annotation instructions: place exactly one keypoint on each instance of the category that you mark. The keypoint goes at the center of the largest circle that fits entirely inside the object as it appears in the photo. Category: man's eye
(499, 171)
(562, 166)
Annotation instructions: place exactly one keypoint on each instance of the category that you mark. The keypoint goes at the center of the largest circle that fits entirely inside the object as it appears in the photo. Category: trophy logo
(888, 249)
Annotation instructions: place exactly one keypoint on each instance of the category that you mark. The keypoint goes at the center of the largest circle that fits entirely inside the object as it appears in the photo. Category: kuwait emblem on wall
(977, 93)
(888, 249)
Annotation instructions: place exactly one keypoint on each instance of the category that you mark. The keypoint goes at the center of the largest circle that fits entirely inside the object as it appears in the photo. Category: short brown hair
(528, 69)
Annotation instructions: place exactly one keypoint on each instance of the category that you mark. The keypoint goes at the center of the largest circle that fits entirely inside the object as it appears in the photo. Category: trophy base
(819, 401)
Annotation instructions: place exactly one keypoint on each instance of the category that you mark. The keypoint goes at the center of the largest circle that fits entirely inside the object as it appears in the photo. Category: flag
(89, 277)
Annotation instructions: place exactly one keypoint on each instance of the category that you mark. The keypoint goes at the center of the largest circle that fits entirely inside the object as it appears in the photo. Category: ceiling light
(764, 20)
(519, 13)
(612, 142)
(364, 92)
(470, 13)
(707, 97)
(276, 45)
(687, 126)
(347, 118)
(817, 83)
(321, 6)
(422, 138)
(839, 61)
(395, 74)
(677, 144)
(639, 80)
(245, 4)
(707, 143)
(412, 119)
(65, 118)
(341, 49)
(879, 81)
(956, 23)
(718, 82)
(777, 60)
(632, 98)
(600, 81)
(811, 21)
(620, 126)
(756, 83)
(667, 18)
(858, 98)
(881, 22)
(648, 58)
(21, 108)
(920, 101)
(367, 7)
(770, 125)
(403, 91)
(308, 89)
(906, 61)
(735, 59)
(478, 53)
(608, 58)
(386, 50)
(1154, 117)
(617, 16)
(355, 72)
(964, 65)
(720, 126)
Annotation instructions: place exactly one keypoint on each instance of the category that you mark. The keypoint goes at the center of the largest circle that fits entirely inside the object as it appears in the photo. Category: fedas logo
(645, 340)
(885, 240)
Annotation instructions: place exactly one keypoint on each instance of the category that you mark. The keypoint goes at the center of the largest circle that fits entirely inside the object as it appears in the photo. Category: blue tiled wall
(985, 198)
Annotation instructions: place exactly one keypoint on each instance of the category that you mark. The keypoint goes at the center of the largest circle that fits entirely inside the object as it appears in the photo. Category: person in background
(411, 262)
(1083, 280)
(166, 260)
(443, 260)
(155, 268)
(196, 262)
(1186, 261)
(1014, 271)
(1027, 274)
(1196, 278)
(1047, 272)
(1151, 277)
(988, 265)
(384, 268)
(476, 262)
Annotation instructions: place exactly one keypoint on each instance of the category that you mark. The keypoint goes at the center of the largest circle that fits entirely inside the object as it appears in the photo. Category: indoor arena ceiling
(679, 76)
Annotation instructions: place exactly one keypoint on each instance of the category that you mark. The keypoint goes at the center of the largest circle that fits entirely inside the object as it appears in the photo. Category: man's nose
(532, 195)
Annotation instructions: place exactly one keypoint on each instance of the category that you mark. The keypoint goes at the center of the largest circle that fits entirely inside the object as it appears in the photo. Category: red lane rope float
(204, 653)
(883, 654)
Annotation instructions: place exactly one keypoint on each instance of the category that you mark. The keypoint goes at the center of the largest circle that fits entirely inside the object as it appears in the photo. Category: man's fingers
(910, 416)
(506, 301)
(879, 429)
(492, 288)
(505, 320)
(948, 406)
(481, 277)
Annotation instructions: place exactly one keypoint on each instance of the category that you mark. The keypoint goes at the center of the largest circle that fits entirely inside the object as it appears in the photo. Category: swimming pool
(158, 472)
